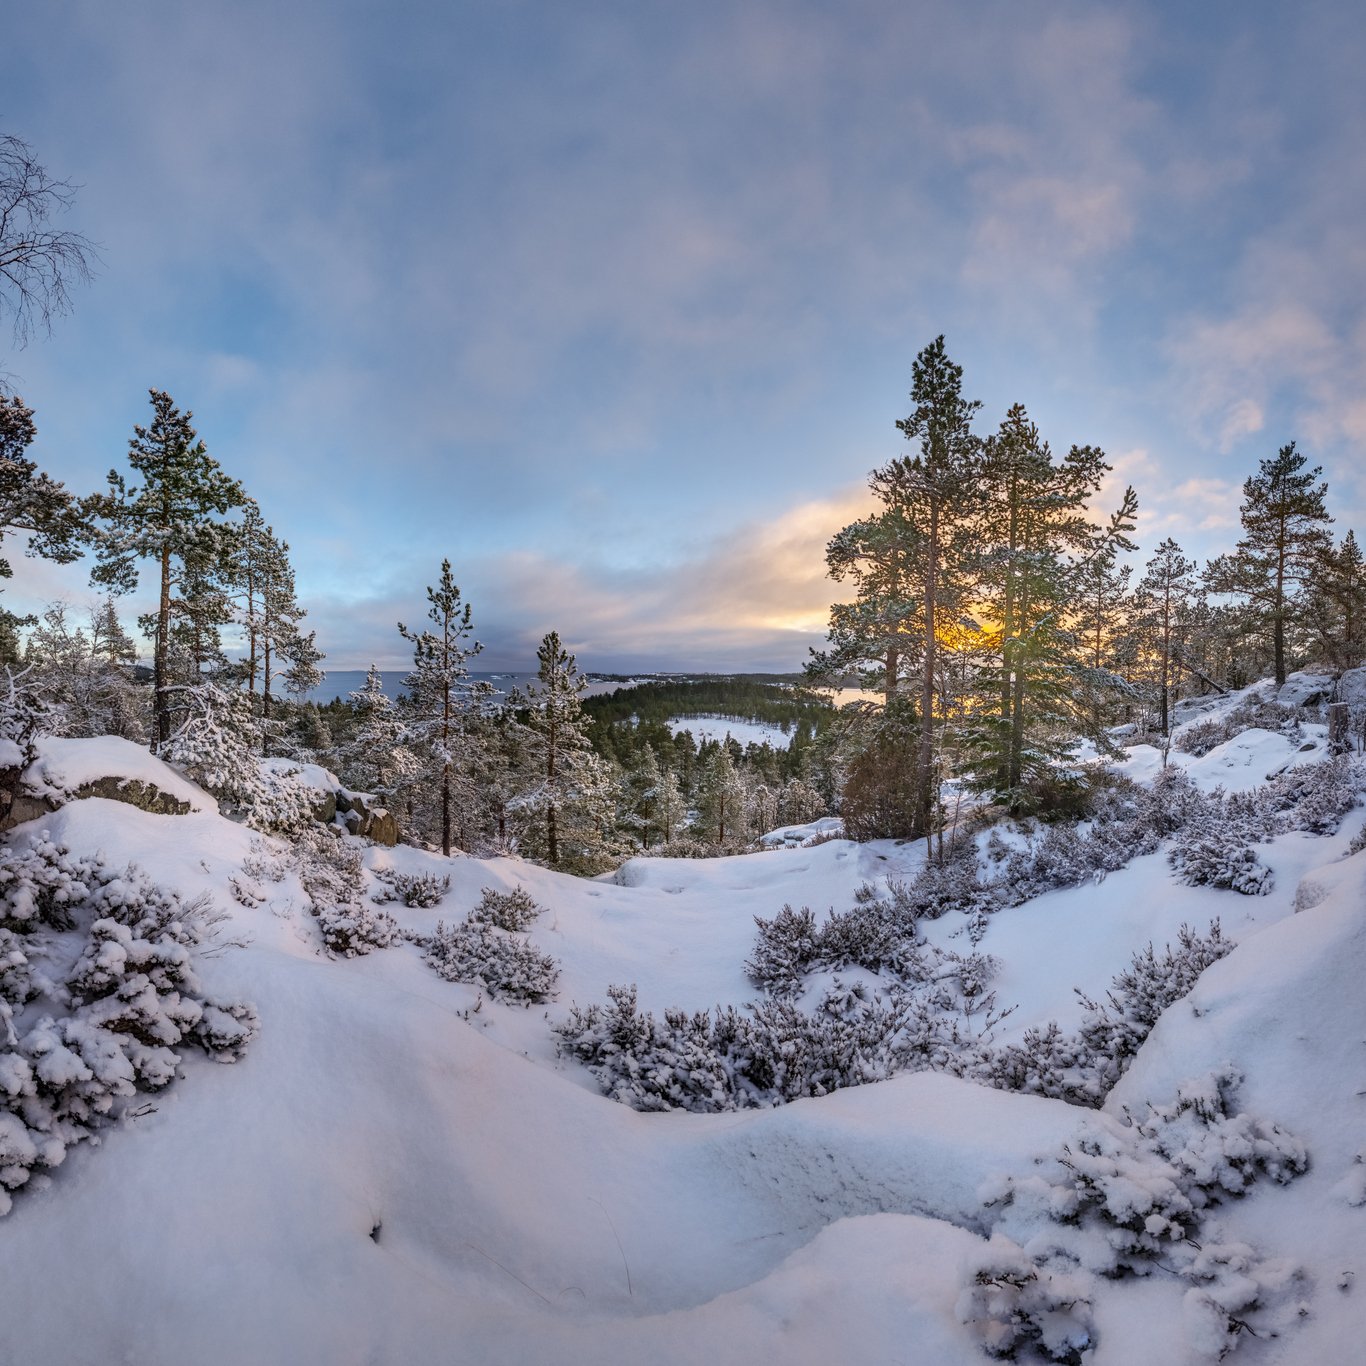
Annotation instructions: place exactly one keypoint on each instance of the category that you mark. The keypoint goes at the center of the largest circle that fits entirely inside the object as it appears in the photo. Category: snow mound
(65, 766)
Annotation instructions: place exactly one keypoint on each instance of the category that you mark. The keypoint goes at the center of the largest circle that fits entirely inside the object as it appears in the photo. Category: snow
(400, 1170)
(721, 727)
(65, 766)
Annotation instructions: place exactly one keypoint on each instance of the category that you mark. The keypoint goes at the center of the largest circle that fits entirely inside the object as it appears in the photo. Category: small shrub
(514, 911)
(420, 890)
(332, 874)
(481, 954)
(1125, 1197)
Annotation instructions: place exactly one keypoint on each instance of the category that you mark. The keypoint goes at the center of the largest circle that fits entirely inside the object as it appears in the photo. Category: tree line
(995, 620)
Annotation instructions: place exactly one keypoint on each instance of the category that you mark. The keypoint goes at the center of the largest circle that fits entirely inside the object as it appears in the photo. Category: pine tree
(1164, 593)
(1037, 548)
(377, 759)
(441, 694)
(670, 808)
(721, 804)
(938, 487)
(559, 743)
(1285, 536)
(30, 501)
(169, 519)
(1337, 604)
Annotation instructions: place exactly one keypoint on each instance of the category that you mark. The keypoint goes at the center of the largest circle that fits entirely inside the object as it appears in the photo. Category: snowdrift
(401, 1170)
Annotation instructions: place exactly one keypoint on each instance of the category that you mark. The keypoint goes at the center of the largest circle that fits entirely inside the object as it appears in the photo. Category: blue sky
(615, 305)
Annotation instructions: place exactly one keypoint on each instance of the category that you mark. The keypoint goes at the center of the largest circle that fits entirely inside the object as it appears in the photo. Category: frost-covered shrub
(786, 948)
(26, 715)
(507, 966)
(421, 890)
(1083, 1067)
(1125, 1196)
(1315, 797)
(1219, 853)
(215, 744)
(514, 911)
(1012, 1304)
(117, 1021)
(770, 1052)
(1199, 737)
(332, 874)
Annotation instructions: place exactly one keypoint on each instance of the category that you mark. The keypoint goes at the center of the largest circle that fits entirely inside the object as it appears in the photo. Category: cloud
(754, 597)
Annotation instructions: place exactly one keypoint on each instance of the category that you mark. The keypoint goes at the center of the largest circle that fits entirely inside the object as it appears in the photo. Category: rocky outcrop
(371, 822)
(18, 804)
(145, 796)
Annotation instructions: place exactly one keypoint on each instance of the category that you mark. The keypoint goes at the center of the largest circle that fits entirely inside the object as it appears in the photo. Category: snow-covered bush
(1083, 1067)
(116, 1021)
(1124, 1196)
(1315, 797)
(507, 966)
(421, 890)
(1199, 737)
(215, 745)
(1218, 853)
(514, 911)
(332, 874)
(1012, 1304)
(26, 716)
(771, 1052)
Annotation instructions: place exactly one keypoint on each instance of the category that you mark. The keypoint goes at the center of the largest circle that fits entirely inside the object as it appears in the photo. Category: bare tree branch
(39, 264)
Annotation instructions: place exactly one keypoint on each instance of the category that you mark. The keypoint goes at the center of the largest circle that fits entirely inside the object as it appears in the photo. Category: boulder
(1305, 690)
(1351, 689)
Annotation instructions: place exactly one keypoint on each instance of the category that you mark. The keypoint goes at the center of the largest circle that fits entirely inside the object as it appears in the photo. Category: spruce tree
(441, 694)
(170, 518)
(1285, 536)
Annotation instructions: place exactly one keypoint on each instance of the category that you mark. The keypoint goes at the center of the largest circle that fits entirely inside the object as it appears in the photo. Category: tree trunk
(925, 775)
(160, 659)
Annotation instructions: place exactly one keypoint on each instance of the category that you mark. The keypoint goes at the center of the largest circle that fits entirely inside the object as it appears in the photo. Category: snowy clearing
(401, 1169)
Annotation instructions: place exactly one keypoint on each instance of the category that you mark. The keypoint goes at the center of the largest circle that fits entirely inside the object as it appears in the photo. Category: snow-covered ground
(401, 1171)
(742, 732)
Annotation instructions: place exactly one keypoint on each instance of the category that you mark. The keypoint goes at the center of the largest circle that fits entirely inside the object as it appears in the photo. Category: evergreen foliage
(441, 695)
(171, 518)
(1285, 538)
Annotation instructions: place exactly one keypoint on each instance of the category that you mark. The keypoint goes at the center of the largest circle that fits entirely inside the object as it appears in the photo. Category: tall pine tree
(1285, 536)
(171, 518)
(441, 694)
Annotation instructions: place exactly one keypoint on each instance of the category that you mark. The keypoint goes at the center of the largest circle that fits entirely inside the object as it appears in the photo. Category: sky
(615, 305)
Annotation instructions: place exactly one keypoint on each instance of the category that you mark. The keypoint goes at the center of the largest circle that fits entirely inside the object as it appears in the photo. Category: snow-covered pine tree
(1285, 536)
(721, 804)
(73, 670)
(169, 518)
(441, 694)
(377, 759)
(30, 501)
(670, 808)
(568, 774)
